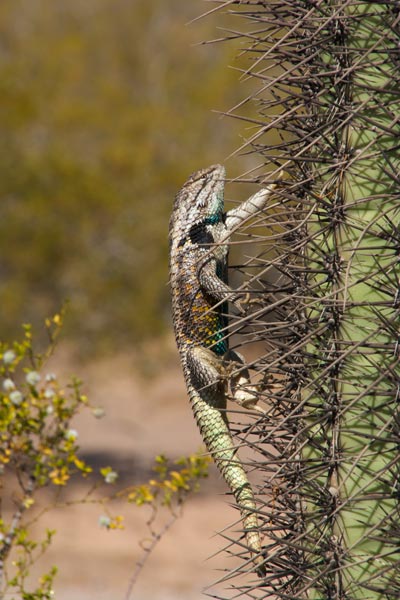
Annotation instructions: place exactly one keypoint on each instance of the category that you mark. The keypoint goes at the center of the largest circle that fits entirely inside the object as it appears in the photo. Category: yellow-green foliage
(105, 109)
(39, 448)
(36, 440)
(171, 484)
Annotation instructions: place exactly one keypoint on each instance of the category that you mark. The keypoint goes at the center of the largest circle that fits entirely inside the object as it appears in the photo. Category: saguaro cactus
(329, 81)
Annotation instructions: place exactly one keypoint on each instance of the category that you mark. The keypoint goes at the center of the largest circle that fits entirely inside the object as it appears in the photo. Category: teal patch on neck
(216, 205)
(213, 219)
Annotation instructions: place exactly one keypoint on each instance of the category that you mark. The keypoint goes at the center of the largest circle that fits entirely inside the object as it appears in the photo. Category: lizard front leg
(235, 217)
(208, 399)
(212, 272)
(214, 287)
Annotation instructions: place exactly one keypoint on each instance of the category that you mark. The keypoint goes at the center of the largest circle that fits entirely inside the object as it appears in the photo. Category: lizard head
(200, 201)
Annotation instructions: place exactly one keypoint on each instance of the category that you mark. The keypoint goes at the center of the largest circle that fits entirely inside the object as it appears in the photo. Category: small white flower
(8, 385)
(50, 377)
(104, 521)
(8, 357)
(49, 393)
(16, 397)
(111, 477)
(71, 434)
(2, 537)
(32, 378)
(49, 409)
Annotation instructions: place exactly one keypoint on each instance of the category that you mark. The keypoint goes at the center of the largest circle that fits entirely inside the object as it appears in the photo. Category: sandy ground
(95, 563)
(144, 417)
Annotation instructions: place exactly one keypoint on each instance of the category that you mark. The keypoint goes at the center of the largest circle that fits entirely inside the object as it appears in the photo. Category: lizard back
(196, 230)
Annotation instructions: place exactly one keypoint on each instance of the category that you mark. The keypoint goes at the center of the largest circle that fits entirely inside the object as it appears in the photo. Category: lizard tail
(217, 437)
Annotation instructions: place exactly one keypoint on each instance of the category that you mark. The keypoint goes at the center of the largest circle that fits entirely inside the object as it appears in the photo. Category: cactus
(327, 274)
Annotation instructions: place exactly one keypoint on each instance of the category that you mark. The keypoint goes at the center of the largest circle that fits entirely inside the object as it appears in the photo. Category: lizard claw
(245, 303)
(242, 303)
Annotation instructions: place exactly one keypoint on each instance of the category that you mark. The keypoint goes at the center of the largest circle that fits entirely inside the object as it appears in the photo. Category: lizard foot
(247, 395)
(244, 393)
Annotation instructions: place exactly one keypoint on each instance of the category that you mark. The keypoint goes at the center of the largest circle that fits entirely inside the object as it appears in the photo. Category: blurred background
(106, 107)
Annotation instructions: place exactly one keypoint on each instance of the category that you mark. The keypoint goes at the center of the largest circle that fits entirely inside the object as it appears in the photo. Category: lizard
(199, 234)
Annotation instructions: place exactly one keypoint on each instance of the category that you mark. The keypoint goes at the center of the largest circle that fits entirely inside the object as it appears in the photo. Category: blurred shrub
(39, 451)
(106, 108)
